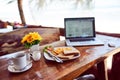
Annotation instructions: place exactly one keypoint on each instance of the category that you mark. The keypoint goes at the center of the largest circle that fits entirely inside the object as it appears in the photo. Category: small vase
(34, 48)
(35, 52)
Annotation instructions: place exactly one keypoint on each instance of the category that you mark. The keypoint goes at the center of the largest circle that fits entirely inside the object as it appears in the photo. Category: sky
(106, 13)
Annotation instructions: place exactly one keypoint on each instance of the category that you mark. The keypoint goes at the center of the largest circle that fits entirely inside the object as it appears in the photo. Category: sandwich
(67, 52)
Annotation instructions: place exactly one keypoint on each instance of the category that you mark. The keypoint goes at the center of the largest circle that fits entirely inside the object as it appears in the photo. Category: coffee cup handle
(36, 55)
(29, 56)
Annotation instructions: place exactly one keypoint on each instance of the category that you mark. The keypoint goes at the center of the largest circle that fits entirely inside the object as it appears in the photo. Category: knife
(57, 59)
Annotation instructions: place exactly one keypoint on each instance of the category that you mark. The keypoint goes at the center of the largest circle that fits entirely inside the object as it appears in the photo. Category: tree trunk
(20, 8)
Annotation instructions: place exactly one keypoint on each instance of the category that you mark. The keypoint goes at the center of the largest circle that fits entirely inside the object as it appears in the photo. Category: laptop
(81, 32)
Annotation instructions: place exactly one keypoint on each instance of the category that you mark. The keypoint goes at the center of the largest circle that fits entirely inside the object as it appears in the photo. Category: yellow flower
(36, 36)
(31, 39)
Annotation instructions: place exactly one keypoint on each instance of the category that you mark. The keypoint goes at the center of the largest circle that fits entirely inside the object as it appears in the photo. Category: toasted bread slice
(62, 56)
(71, 52)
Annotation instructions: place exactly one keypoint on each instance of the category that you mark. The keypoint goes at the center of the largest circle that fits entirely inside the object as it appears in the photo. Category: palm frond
(10, 1)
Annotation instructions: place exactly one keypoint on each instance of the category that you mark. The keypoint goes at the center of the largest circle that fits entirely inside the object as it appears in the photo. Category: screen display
(79, 27)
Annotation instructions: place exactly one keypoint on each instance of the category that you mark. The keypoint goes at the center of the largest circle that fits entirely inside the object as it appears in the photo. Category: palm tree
(39, 3)
(20, 9)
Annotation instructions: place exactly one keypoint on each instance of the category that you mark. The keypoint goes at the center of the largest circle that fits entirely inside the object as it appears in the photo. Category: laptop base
(84, 43)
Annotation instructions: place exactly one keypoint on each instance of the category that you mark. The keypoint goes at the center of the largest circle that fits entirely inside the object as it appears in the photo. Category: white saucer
(13, 70)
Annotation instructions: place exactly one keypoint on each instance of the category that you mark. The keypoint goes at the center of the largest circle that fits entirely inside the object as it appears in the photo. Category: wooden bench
(11, 41)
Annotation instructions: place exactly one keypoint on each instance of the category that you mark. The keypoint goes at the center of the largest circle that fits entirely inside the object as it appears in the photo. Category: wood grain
(50, 70)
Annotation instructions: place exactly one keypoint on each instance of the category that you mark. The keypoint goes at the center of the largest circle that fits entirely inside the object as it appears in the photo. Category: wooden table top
(49, 70)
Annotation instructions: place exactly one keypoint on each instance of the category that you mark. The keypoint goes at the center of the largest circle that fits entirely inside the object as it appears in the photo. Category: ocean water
(106, 13)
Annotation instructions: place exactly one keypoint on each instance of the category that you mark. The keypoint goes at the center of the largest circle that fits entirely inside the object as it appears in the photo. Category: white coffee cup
(19, 61)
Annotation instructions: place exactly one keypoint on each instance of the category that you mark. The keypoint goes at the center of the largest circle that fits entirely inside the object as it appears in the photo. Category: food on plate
(62, 56)
(71, 52)
(49, 48)
(58, 50)
(63, 52)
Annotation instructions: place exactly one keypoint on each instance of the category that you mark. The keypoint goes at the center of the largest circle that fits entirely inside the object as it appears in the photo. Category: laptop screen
(77, 28)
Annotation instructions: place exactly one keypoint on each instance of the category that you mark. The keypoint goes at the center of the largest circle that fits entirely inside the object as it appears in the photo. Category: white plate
(51, 59)
(13, 70)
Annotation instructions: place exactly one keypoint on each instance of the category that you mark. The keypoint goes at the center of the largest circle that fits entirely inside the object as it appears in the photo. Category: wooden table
(48, 70)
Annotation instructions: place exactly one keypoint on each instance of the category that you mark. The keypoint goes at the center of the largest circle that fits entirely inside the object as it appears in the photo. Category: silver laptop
(81, 32)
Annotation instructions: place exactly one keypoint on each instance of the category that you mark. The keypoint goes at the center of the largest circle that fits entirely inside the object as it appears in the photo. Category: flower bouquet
(30, 39)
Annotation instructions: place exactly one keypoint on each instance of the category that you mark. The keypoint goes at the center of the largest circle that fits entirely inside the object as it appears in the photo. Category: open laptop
(81, 32)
